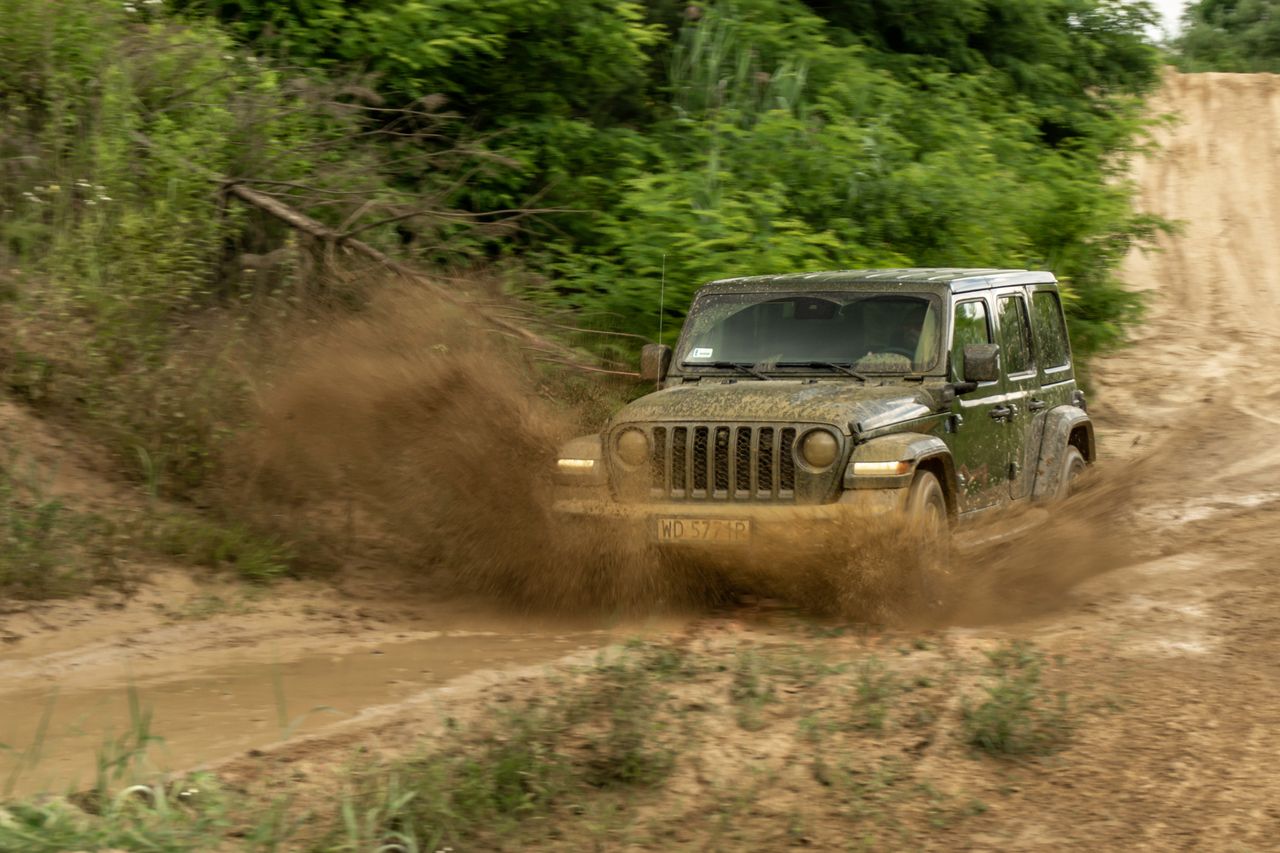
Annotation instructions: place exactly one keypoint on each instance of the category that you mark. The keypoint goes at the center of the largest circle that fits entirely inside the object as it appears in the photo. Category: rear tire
(1073, 466)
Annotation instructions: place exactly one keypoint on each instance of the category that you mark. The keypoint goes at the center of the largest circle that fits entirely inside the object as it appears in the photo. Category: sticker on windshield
(701, 353)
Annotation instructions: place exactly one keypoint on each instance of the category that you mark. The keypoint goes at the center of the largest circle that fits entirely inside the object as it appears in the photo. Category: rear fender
(1059, 424)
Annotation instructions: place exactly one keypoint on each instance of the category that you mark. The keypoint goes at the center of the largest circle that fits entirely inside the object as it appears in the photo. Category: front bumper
(799, 525)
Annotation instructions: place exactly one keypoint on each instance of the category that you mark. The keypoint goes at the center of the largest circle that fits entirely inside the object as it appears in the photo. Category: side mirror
(655, 360)
(981, 362)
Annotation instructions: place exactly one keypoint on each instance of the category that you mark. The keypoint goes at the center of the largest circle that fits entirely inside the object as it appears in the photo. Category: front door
(980, 433)
(1022, 388)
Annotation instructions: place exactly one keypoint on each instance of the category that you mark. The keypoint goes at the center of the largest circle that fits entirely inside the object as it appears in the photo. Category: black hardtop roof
(956, 280)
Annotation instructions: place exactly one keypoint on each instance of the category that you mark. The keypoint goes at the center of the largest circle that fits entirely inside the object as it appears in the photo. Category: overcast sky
(1172, 11)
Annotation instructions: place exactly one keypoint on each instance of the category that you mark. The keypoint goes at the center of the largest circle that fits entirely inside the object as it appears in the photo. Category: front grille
(722, 462)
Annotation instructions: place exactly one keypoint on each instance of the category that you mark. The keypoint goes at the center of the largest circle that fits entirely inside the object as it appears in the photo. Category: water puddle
(54, 739)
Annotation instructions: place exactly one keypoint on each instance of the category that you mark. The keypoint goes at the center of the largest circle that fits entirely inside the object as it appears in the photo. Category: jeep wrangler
(795, 401)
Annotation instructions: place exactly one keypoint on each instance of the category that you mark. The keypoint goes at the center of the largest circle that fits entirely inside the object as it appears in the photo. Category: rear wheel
(1073, 466)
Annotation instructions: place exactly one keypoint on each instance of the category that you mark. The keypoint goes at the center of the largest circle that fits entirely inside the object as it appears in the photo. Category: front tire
(927, 505)
(927, 513)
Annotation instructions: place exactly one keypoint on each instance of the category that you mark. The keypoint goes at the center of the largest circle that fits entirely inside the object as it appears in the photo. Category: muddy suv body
(811, 399)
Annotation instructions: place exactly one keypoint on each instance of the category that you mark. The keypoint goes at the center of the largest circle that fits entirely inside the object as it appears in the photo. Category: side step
(983, 534)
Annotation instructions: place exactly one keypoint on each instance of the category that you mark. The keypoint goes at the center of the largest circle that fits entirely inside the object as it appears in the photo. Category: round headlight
(633, 447)
(820, 449)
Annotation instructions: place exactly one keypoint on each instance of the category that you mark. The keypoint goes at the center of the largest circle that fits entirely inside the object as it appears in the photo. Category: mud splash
(412, 432)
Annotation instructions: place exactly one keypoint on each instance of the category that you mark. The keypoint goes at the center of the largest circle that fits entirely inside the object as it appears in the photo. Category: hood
(851, 407)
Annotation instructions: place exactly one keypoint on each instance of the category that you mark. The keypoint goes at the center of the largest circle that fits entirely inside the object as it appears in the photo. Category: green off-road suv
(795, 402)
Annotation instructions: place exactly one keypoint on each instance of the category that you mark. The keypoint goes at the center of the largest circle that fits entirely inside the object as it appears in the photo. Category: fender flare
(913, 447)
(1059, 424)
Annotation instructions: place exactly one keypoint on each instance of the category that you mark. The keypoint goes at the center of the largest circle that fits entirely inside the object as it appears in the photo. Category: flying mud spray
(412, 437)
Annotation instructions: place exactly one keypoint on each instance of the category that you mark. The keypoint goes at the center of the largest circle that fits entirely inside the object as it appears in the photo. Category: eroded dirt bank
(1170, 657)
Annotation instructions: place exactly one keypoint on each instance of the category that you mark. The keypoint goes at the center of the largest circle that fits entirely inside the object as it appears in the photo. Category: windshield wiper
(831, 365)
(728, 365)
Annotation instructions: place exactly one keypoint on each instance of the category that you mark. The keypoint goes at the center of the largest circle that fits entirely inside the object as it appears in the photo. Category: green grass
(876, 688)
(1019, 715)
(207, 542)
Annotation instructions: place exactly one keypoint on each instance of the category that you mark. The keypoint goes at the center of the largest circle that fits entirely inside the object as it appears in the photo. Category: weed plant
(1020, 715)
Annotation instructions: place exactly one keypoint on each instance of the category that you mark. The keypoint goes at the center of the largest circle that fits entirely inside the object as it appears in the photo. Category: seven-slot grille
(723, 462)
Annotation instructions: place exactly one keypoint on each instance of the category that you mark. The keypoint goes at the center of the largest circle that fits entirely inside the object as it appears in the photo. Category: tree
(1230, 35)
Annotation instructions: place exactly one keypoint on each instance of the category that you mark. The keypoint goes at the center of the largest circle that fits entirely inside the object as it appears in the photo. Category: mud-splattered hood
(849, 406)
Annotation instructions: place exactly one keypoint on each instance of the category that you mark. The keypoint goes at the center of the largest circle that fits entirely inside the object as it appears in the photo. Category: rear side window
(1015, 344)
(1051, 331)
(972, 327)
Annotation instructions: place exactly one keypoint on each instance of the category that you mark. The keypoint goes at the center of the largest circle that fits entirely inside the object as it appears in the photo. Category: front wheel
(927, 513)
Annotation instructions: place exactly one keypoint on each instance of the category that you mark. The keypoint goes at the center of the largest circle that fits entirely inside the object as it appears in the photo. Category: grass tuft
(1019, 716)
(205, 542)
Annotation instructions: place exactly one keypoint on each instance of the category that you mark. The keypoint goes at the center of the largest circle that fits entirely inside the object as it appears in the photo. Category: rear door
(1023, 409)
(1053, 349)
(980, 437)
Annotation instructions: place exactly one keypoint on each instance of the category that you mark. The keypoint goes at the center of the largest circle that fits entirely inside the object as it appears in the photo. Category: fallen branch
(301, 222)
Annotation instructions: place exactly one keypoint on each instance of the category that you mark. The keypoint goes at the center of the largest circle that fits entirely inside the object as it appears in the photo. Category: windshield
(868, 332)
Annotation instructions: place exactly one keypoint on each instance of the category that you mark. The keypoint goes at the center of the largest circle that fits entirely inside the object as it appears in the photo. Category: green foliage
(204, 542)
(1019, 715)
(113, 248)
(790, 149)
(124, 266)
(127, 823)
(1230, 35)
(761, 136)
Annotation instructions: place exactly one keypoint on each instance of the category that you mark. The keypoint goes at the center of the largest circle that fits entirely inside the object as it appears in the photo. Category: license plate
(711, 531)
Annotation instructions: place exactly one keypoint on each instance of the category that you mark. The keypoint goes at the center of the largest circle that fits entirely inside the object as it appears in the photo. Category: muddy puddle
(55, 736)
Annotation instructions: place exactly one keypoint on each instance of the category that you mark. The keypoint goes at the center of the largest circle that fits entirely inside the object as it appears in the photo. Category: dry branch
(301, 222)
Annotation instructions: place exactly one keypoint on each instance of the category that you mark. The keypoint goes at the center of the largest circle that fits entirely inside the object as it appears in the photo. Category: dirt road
(1183, 638)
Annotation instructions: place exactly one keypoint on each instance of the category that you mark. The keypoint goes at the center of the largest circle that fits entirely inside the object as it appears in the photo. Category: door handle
(1034, 405)
(1001, 413)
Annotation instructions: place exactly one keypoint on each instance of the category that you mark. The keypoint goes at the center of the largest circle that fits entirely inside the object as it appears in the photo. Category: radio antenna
(662, 296)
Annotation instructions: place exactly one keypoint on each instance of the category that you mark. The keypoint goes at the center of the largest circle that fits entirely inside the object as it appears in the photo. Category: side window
(971, 327)
(1015, 336)
(1051, 331)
